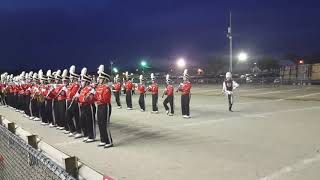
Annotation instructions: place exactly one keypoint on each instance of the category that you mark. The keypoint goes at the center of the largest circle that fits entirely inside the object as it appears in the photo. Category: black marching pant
(169, 99)
(55, 111)
(230, 100)
(42, 111)
(27, 105)
(103, 118)
(185, 102)
(73, 117)
(154, 102)
(34, 108)
(2, 98)
(48, 111)
(142, 102)
(16, 100)
(20, 102)
(87, 120)
(117, 96)
(61, 113)
(129, 99)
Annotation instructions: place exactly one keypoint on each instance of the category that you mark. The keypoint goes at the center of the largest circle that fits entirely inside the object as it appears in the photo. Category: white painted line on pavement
(279, 91)
(307, 95)
(294, 167)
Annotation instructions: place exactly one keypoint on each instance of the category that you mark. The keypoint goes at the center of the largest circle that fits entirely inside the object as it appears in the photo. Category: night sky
(59, 33)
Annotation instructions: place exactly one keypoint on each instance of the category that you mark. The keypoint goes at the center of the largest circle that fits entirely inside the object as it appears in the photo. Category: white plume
(40, 73)
(58, 73)
(64, 73)
(101, 69)
(167, 77)
(84, 71)
(72, 69)
(185, 72)
(49, 73)
(35, 75)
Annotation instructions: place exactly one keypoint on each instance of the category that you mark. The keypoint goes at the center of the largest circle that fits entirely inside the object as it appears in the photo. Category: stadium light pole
(111, 63)
(229, 36)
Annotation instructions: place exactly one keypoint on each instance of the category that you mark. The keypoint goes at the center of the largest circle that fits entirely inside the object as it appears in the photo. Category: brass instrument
(40, 98)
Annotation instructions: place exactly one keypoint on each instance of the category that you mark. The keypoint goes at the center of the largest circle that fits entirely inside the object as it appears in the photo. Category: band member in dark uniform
(103, 103)
(185, 88)
(169, 91)
(227, 88)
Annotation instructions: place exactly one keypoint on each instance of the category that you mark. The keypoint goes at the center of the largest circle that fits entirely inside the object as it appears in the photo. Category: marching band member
(59, 105)
(87, 108)
(185, 88)
(123, 88)
(33, 101)
(72, 104)
(116, 88)
(142, 91)
(27, 93)
(35, 93)
(128, 87)
(103, 103)
(227, 88)
(23, 93)
(49, 100)
(20, 94)
(42, 102)
(169, 90)
(154, 88)
(62, 98)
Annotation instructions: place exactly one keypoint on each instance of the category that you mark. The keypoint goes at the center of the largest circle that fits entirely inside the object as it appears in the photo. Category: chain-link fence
(18, 160)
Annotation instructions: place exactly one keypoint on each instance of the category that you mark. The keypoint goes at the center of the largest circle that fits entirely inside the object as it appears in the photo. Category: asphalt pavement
(272, 134)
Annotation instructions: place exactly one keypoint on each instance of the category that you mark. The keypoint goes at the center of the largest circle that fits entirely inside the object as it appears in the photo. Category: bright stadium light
(115, 70)
(181, 62)
(143, 63)
(243, 56)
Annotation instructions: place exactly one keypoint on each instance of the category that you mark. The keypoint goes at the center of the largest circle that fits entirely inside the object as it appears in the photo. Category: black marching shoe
(230, 109)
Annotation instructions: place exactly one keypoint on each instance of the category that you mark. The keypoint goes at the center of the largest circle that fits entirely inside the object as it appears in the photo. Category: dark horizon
(56, 34)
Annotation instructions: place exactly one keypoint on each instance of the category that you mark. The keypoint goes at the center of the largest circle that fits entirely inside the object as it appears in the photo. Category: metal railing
(19, 160)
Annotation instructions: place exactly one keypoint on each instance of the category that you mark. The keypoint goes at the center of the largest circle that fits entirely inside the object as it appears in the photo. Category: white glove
(93, 91)
(77, 95)
(228, 92)
(64, 89)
